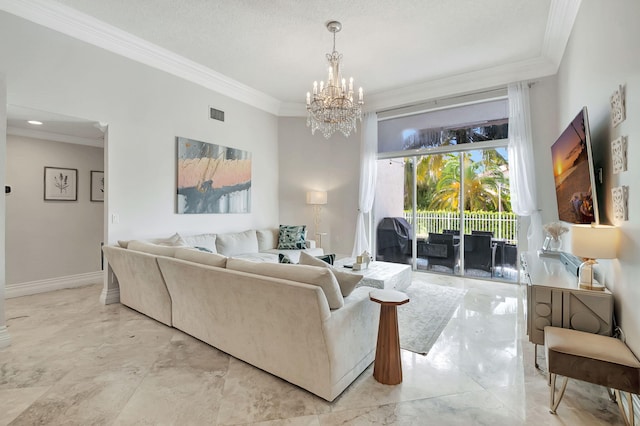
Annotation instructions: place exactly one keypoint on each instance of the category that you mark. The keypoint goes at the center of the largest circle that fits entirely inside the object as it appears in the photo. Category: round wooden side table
(387, 367)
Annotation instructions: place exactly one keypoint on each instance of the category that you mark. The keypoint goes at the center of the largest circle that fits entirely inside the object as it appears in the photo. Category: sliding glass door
(448, 213)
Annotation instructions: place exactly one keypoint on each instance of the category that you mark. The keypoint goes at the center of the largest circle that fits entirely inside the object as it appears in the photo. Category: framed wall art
(97, 185)
(60, 184)
(212, 178)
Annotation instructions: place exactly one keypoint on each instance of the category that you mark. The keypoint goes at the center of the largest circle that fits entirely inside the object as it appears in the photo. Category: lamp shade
(594, 241)
(316, 197)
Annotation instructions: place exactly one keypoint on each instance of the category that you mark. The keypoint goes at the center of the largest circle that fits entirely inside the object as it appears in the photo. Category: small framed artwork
(60, 184)
(97, 185)
(618, 107)
(619, 154)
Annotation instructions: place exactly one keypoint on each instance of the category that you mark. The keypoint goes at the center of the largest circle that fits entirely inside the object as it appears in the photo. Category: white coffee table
(383, 275)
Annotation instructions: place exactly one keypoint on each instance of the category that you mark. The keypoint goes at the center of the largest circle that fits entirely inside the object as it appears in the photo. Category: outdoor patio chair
(441, 250)
(479, 253)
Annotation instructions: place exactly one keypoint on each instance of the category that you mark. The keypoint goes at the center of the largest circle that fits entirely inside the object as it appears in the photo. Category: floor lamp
(317, 199)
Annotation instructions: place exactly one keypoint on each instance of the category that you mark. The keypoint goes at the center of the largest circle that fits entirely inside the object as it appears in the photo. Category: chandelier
(332, 107)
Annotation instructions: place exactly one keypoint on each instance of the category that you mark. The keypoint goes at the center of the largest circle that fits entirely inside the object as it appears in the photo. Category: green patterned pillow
(292, 237)
(283, 258)
(327, 258)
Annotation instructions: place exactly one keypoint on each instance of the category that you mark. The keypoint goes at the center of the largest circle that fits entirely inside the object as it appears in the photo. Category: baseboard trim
(110, 296)
(5, 340)
(41, 286)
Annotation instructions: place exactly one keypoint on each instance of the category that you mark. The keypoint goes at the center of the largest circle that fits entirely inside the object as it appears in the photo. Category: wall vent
(216, 114)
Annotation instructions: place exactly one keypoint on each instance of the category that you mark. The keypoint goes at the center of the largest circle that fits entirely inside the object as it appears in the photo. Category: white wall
(50, 238)
(603, 53)
(314, 163)
(145, 110)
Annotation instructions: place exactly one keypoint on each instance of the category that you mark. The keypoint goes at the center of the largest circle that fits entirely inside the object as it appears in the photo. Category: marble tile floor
(74, 361)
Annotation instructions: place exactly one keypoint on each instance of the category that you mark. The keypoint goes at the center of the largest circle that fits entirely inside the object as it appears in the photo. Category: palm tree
(485, 185)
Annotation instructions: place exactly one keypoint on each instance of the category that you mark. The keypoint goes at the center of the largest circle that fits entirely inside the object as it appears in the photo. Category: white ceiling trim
(83, 27)
(38, 134)
(562, 15)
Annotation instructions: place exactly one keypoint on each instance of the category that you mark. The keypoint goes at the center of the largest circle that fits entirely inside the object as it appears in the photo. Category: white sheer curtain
(368, 175)
(522, 178)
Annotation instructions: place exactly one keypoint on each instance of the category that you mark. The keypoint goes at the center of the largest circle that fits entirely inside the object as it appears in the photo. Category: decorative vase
(553, 244)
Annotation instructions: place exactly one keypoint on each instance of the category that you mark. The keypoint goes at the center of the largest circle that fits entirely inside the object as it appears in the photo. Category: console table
(554, 298)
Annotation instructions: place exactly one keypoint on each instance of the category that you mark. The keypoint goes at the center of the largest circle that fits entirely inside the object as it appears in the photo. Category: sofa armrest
(310, 243)
(351, 332)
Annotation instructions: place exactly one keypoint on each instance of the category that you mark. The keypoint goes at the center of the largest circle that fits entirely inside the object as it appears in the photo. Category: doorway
(55, 241)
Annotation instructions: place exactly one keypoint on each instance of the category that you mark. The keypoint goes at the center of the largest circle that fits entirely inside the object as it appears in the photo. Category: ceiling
(399, 51)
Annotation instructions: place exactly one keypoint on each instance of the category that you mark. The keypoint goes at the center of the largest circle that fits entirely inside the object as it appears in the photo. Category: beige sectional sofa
(276, 317)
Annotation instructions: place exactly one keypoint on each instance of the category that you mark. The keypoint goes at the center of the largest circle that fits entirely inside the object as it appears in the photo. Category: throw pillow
(151, 248)
(292, 237)
(347, 281)
(207, 241)
(283, 258)
(173, 241)
(327, 258)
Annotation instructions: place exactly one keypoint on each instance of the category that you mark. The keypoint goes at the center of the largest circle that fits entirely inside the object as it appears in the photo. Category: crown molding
(562, 16)
(473, 81)
(86, 28)
(57, 137)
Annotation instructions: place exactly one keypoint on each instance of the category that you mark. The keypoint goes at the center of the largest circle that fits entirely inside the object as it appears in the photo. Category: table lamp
(593, 242)
(317, 199)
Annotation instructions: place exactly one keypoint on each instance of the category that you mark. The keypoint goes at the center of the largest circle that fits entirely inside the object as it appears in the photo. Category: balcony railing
(503, 225)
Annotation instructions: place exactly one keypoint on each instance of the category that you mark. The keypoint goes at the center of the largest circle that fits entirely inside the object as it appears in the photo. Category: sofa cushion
(313, 275)
(346, 280)
(267, 239)
(150, 248)
(258, 257)
(292, 237)
(197, 256)
(237, 243)
(207, 241)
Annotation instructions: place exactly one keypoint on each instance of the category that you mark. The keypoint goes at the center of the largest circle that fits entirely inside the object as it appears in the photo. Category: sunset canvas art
(212, 178)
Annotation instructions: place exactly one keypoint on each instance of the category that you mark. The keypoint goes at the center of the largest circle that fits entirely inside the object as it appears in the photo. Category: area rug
(421, 321)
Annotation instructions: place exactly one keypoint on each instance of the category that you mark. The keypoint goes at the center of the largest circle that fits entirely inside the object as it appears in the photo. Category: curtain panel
(368, 176)
(522, 178)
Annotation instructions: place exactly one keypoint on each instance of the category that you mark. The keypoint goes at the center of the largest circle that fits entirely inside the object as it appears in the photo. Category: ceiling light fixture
(331, 107)
(35, 122)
